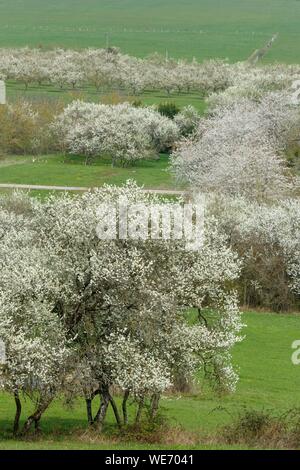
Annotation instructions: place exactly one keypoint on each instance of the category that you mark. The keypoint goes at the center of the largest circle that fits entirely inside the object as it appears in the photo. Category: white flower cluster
(238, 150)
(239, 156)
(123, 132)
(254, 82)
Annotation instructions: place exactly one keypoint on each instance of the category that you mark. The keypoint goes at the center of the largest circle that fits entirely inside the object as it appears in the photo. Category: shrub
(124, 132)
(187, 120)
(25, 127)
(17, 127)
(264, 429)
(168, 109)
(267, 239)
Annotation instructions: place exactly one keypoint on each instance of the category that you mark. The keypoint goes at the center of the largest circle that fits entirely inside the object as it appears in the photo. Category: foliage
(25, 127)
(108, 69)
(188, 120)
(265, 429)
(168, 109)
(266, 236)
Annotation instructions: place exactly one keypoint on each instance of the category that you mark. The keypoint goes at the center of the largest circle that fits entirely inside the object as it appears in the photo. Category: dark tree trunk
(139, 411)
(116, 411)
(37, 424)
(18, 413)
(89, 412)
(89, 403)
(124, 407)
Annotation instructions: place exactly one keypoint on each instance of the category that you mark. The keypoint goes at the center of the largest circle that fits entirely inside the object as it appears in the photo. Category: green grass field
(268, 381)
(70, 171)
(16, 91)
(193, 28)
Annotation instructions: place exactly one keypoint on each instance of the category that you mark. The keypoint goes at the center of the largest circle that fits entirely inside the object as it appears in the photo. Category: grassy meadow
(59, 170)
(194, 28)
(268, 381)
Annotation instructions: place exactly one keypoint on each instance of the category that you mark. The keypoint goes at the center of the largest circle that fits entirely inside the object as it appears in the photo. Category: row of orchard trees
(107, 69)
(81, 316)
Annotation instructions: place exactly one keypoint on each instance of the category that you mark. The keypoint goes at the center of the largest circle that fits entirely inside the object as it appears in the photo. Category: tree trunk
(124, 407)
(36, 416)
(154, 405)
(89, 412)
(89, 403)
(139, 411)
(37, 424)
(116, 411)
(18, 413)
(101, 414)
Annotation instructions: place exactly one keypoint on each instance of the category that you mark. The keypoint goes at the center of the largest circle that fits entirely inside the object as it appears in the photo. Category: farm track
(166, 192)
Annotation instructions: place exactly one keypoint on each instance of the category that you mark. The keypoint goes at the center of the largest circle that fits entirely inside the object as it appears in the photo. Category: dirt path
(171, 192)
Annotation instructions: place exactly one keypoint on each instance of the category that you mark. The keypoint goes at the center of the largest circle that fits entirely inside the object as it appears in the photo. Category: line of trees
(107, 69)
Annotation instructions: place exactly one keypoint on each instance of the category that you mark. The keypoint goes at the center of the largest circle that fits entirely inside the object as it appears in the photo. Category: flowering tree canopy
(98, 315)
(124, 132)
(238, 149)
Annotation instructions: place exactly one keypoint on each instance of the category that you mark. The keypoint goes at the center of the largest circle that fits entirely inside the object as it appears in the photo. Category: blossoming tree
(88, 316)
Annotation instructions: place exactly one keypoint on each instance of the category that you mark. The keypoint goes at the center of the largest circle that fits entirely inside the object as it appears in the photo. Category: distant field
(268, 381)
(200, 28)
